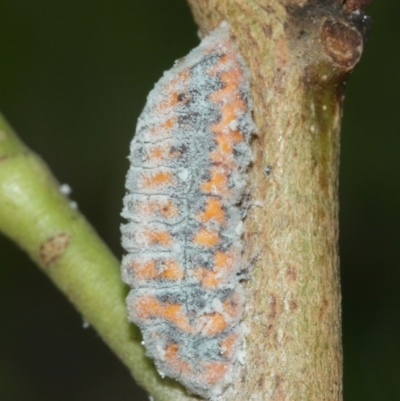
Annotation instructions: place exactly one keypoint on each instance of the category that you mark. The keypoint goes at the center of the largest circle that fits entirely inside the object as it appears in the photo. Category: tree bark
(299, 53)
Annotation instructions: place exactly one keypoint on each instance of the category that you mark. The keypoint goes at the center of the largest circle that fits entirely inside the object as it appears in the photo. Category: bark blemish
(351, 6)
(323, 308)
(281, 54)
(53, 248)
(279, 393)
(272, 307)
(342, 43)
(293, 306)
(291, 274)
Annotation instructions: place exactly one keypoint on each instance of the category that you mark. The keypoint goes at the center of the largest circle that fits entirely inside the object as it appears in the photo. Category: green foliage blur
(74, 76)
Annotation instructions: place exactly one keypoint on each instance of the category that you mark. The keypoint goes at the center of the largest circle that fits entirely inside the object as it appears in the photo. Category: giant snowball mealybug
(185, 208)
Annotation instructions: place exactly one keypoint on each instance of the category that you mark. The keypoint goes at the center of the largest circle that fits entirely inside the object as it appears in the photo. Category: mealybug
(185, 209)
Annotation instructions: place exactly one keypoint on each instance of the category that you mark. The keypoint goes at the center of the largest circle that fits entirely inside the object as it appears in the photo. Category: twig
(44, 223)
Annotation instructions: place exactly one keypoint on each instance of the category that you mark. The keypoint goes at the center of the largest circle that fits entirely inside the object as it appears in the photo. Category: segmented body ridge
(184, 209)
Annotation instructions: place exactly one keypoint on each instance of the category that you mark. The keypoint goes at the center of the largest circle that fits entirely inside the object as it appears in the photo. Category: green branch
(42, 221)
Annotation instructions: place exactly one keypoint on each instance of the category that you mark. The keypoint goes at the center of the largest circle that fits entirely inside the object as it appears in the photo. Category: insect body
(184, 209)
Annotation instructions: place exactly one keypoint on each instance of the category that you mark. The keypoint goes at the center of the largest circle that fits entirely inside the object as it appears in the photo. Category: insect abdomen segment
(184, 209)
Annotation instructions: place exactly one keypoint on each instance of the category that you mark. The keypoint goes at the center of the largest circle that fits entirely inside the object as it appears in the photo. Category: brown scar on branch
(53, 248)
(342, 43)
(350, 6)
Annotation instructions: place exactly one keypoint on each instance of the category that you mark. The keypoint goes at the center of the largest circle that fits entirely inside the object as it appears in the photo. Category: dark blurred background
(74, 78)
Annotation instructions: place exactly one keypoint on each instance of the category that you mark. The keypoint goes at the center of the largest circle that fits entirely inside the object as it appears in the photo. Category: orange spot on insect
(157, 153)
(232, 306)
(206, 238)
(162, 152)
(225, 159)
(213, 212)
(230, 80)
(218, 183)
(220, 64)
(164, 129)
(148, 306)
(168, 210)
(214, 324)
(224, 153)
(223, 260)
(158, 237)
(208, 278)
(147, 270)
(214, 371)
(171, 350)
(144, 271)
(172, 271)
(229, 113)
(153, 180)
(173, 97)
(223, 263)
(235, 137)
(164, 208)
(228, 345)
(225, 142)
(172, 312)
(171, 354)
(169, 123)
(170, 102)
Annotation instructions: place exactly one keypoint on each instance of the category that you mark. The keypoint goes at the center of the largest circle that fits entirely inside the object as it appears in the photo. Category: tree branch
(299, 53)
(42, 221)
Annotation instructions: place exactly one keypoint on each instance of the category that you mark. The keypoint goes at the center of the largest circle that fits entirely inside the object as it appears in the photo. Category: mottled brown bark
(299, 53)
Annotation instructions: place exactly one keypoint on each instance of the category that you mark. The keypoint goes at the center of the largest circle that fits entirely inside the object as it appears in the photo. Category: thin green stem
(44, 223)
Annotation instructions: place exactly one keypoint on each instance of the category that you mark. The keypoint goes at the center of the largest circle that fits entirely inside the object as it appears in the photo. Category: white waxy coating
(184, 209)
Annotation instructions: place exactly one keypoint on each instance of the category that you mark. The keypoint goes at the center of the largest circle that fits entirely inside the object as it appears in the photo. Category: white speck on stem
(65, 189)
